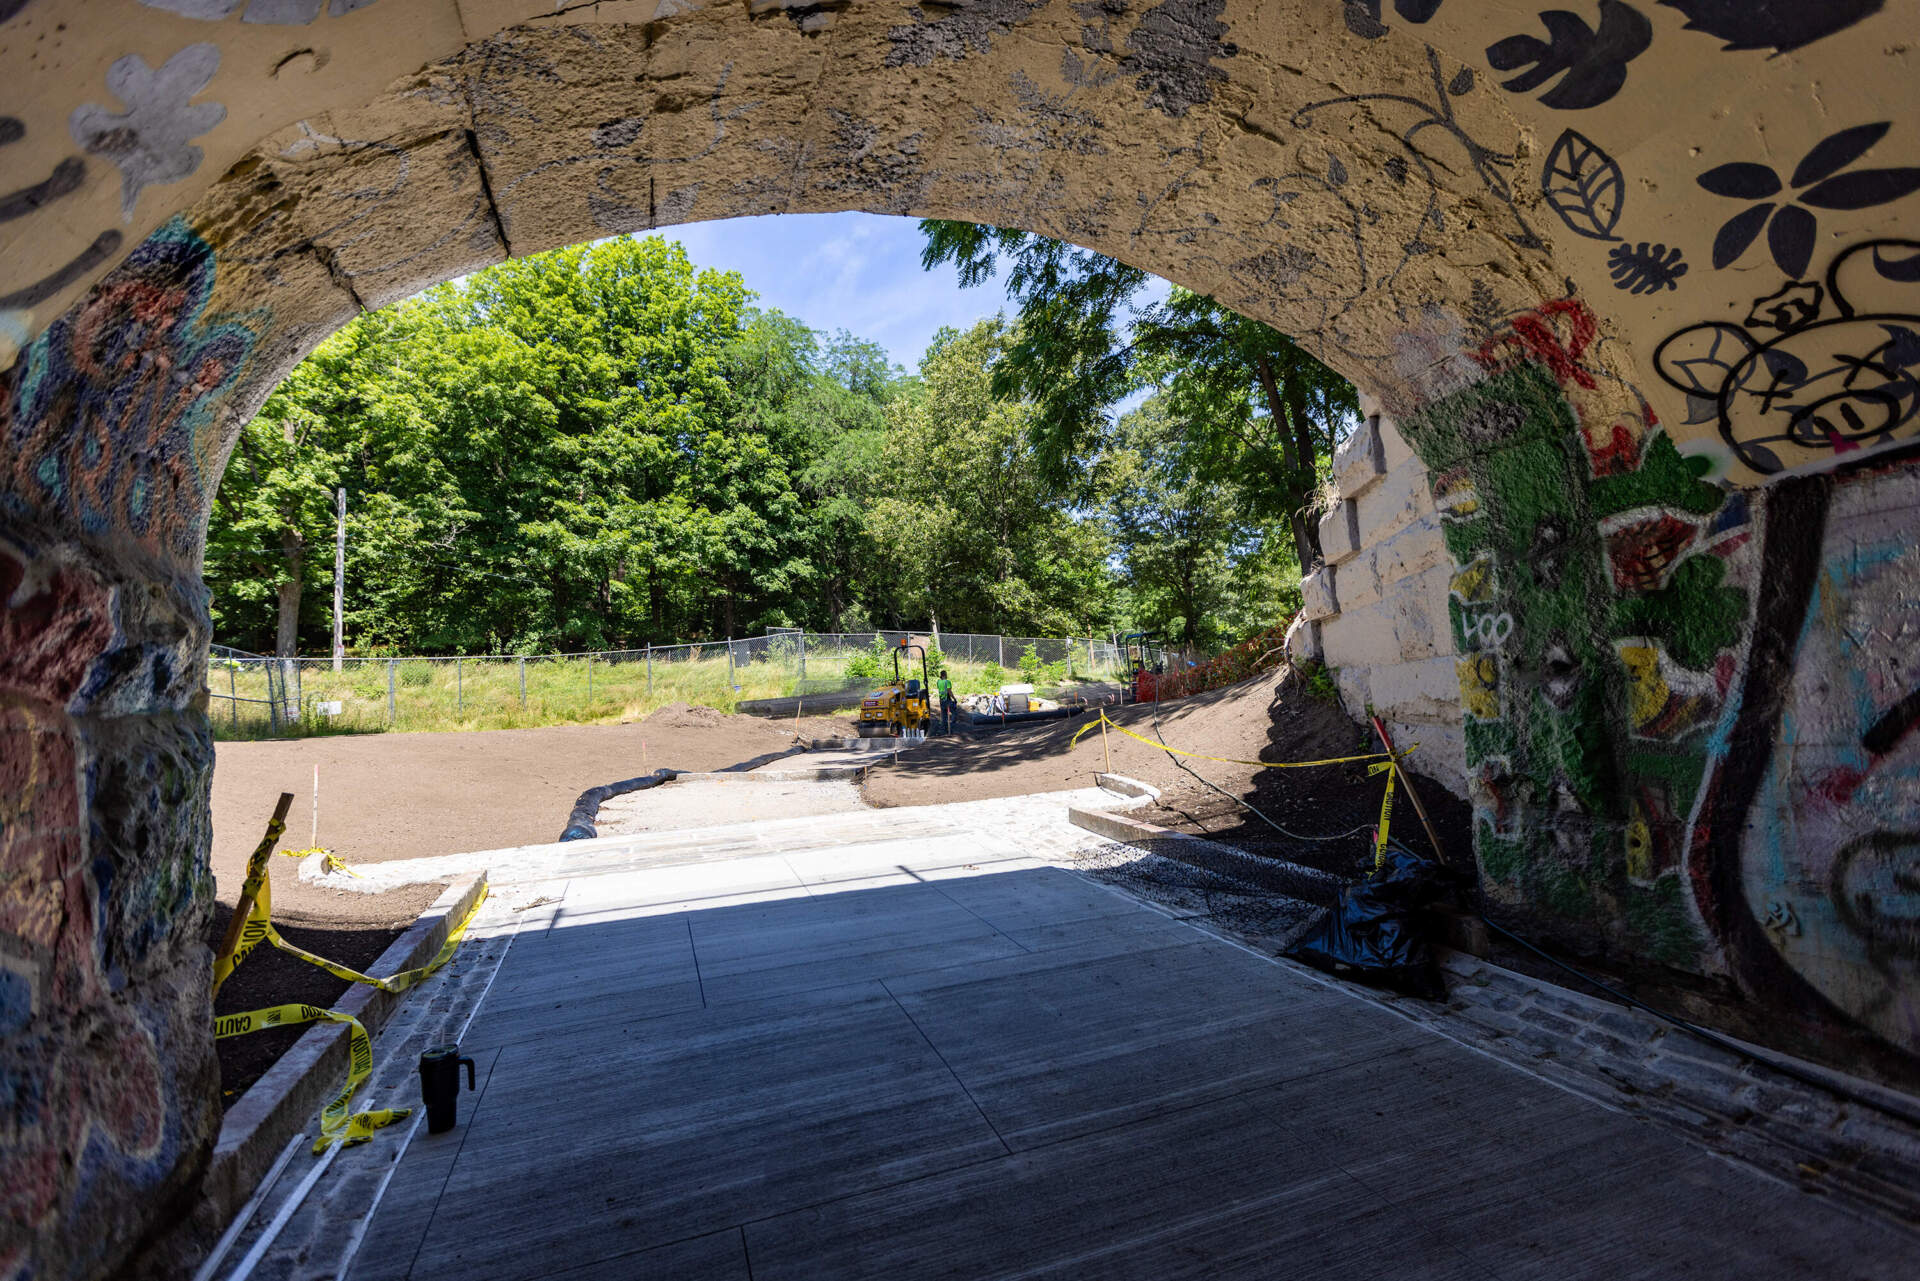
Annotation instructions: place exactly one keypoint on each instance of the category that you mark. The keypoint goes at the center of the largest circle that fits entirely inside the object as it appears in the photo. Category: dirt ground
(395, 796)
(1269, 717)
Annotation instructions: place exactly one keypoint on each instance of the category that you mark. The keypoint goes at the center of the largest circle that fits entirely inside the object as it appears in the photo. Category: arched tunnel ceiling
(1388, 180)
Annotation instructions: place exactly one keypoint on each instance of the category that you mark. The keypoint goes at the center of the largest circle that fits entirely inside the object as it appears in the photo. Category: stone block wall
(1377, 609)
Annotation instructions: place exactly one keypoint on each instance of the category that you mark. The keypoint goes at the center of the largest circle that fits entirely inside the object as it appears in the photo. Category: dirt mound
(685, 716)
(1270, 717)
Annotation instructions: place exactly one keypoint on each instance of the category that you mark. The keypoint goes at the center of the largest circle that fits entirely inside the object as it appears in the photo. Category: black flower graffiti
(1821, 180)
(1363, 16)
(1595, 61)
(1644, 268)
(1781, 26)
(1817, 371)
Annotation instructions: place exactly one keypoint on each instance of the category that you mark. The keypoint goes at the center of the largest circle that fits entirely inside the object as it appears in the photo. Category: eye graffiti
(1811, 376)
(1595, 61)
(1781, 27)
(1585, 189)
(1821, 180)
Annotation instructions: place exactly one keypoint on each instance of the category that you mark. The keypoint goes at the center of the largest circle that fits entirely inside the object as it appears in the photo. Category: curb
(278, 1106)
(1131, 787)
(582, 820)
(1307, 884)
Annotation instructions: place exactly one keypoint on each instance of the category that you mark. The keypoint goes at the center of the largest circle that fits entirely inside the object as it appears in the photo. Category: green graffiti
(1587, 665)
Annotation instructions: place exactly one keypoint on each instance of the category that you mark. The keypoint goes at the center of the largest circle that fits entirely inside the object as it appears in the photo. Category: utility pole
(339, 572)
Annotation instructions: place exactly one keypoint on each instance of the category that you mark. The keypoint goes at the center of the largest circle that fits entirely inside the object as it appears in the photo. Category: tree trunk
(288, 640)
(1306, 536)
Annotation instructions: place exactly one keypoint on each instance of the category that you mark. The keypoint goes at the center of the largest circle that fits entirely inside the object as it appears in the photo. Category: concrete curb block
(818, 774)
(581, 822)
(1307, 884)
(278, 1105)
(1131, 788)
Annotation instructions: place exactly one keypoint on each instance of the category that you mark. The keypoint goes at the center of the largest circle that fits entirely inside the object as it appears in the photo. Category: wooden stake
(244, 908)
(1104, 749)
(1439, 850)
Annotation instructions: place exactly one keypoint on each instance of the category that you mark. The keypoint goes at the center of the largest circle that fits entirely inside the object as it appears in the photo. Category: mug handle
(469, 1067)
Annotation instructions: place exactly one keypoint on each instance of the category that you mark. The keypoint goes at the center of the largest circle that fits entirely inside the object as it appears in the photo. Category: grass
(477, 694)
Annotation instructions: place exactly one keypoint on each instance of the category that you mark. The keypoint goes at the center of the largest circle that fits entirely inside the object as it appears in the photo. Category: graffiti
(1815, 807)
(110, 415)
(1363, 16)
(1821, 180)
(149, 140)
(1645, 269)
(1171, 53)
(1812, 376)
(279, 13)
(1780, 27)
(69, 1115)
(1594, 62)
(1599, 605)
(65, 179)
(956, 34)
(1583, 185)
(1365, 239)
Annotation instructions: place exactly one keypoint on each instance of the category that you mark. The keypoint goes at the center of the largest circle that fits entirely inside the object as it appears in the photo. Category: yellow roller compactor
(901, 704)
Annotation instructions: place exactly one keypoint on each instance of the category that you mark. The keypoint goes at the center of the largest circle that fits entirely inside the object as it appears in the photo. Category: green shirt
(946, 687)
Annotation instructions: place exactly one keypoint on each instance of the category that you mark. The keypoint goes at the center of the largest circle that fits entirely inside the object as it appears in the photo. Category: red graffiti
(52, 626)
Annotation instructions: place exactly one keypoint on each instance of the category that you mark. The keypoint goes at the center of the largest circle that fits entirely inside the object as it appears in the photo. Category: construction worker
(947, 704)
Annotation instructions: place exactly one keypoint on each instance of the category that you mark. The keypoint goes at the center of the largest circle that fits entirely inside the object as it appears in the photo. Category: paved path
(917, 1050)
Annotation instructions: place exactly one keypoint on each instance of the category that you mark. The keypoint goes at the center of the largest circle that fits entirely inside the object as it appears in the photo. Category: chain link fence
(255, 695)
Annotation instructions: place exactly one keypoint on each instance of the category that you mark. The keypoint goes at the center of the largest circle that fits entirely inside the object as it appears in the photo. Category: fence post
(392, 718)
(1001, 644)
(523, 680)
(233, 694)
(459, 688)
(803, 656)
(649, 669)
(730, 676)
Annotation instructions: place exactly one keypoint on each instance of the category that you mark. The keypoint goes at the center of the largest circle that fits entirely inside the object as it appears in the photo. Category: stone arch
(1612, 274)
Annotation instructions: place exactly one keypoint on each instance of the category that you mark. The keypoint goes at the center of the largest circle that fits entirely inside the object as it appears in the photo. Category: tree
(1082, 345)
(971, 534)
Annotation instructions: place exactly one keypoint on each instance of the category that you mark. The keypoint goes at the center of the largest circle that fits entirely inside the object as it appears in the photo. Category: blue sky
(853, 271)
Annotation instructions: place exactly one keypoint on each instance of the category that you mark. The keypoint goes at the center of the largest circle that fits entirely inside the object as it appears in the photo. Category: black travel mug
(440, 1085)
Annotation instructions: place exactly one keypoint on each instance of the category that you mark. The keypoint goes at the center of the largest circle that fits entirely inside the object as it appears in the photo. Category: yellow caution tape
(1385, 762)
(328, 859)
(337, 1123)
(1226, 760)
(1392, 771)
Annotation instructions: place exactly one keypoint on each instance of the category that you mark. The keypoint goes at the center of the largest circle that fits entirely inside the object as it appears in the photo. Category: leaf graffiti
(1781, 27)
(1594, 61)
(1584, 186)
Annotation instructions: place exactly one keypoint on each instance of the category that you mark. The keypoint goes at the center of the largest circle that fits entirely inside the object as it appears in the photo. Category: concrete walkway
(920, 1051)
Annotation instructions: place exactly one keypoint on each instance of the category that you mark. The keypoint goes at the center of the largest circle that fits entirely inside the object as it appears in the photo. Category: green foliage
(1030, 664)
(1207, 492)
(872, 663)
(1319, 679)
(993, 676)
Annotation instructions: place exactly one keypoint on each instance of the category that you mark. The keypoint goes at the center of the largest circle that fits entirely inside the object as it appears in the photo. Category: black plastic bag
(1377, 932)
